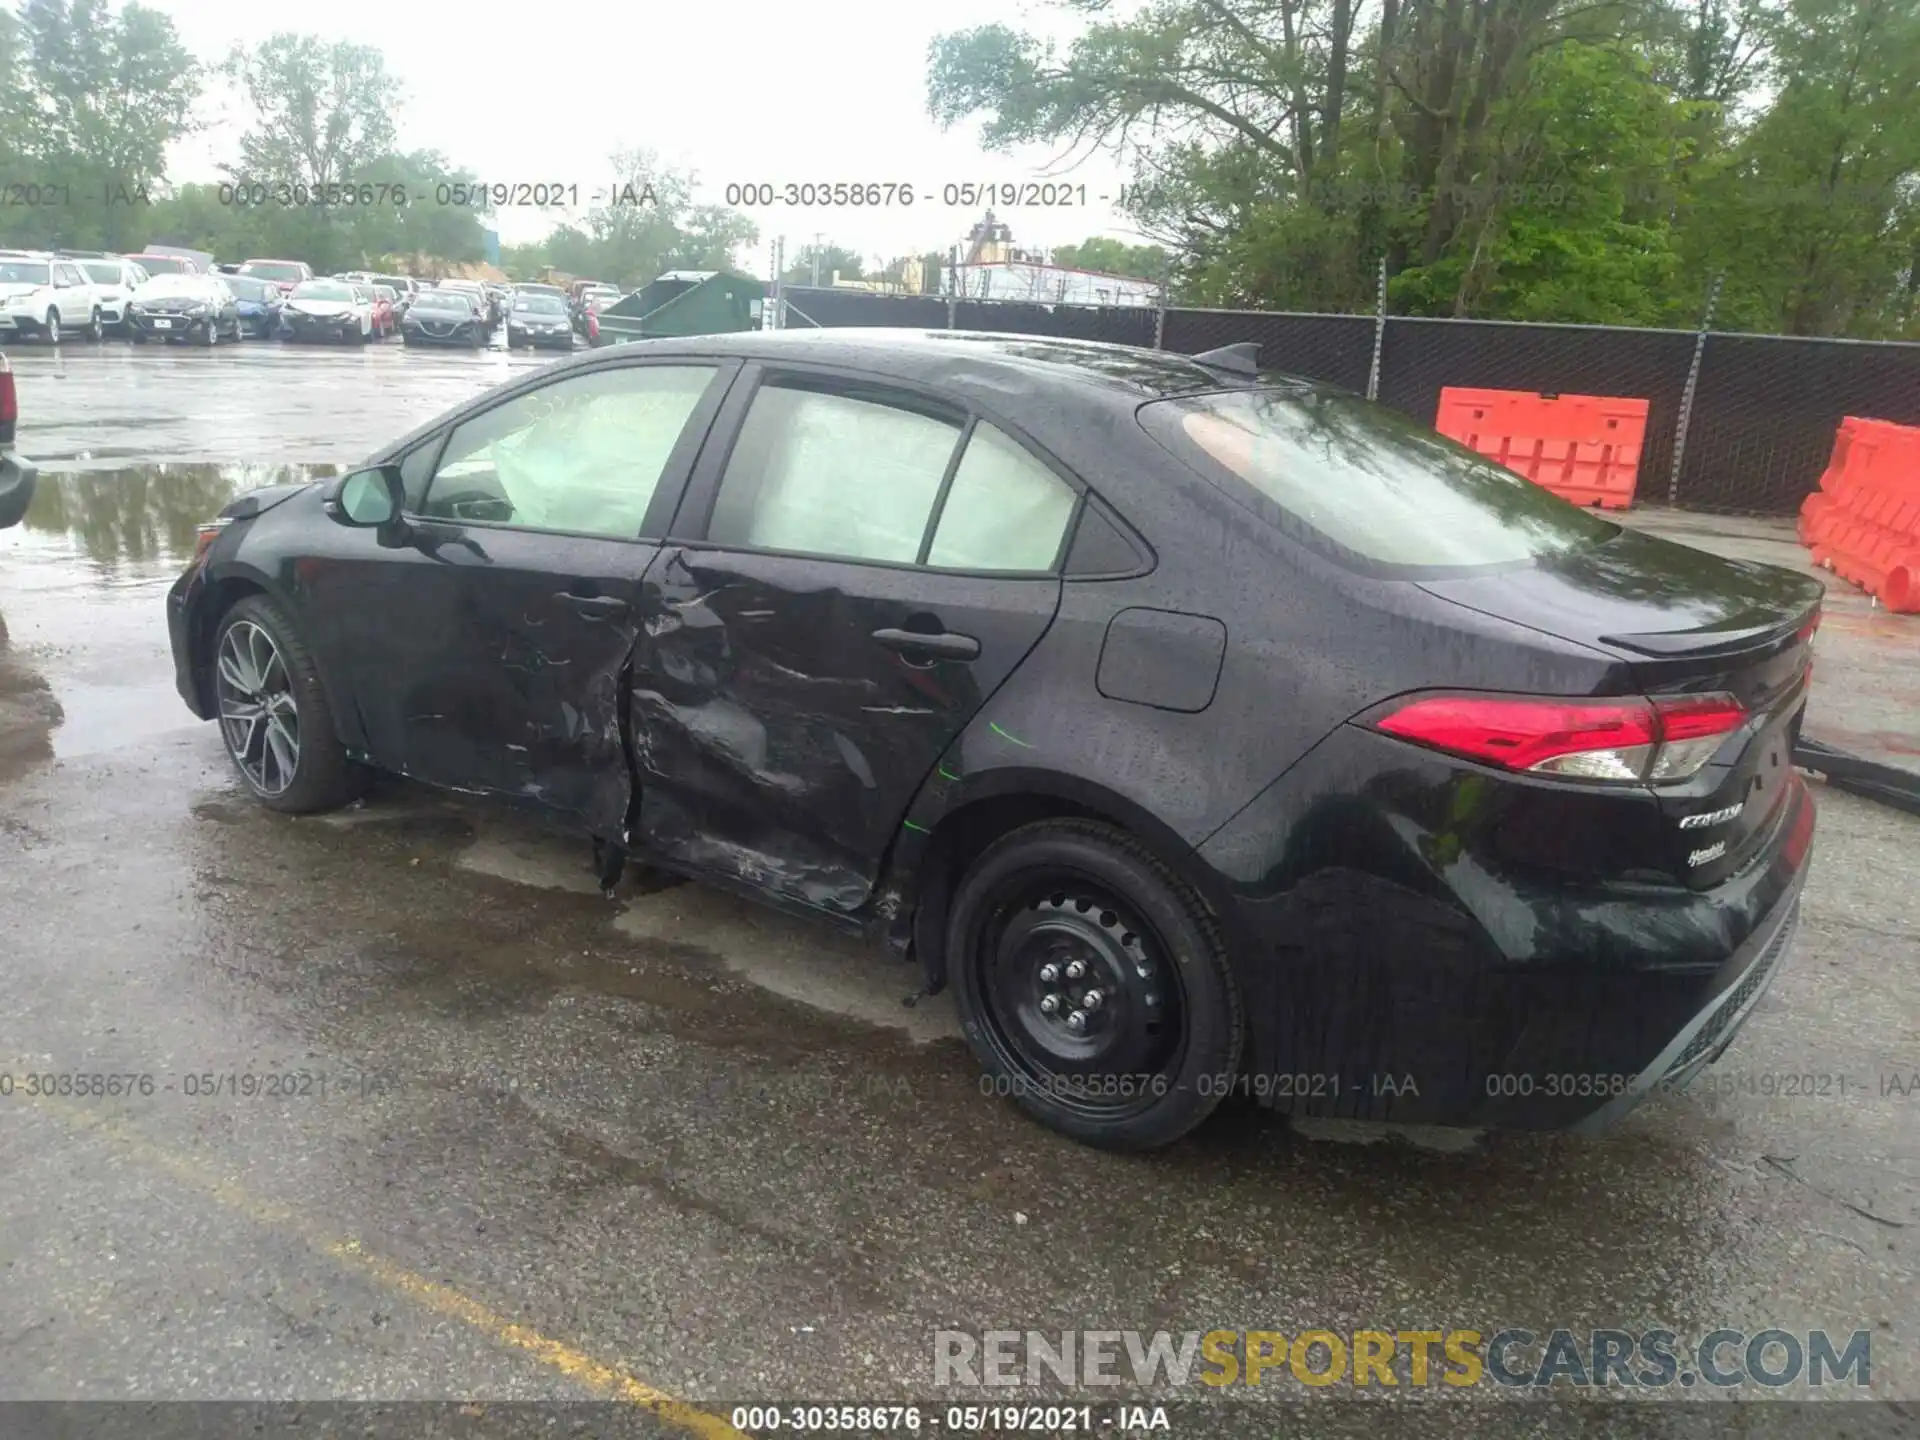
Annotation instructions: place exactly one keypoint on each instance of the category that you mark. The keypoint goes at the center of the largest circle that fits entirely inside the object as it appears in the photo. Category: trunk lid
(1683, 622)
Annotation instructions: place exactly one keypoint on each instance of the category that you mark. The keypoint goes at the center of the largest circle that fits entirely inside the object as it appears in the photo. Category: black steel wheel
(1092, 985)
(275, 718)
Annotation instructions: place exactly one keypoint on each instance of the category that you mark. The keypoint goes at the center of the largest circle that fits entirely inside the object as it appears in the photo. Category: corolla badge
(1711, 817)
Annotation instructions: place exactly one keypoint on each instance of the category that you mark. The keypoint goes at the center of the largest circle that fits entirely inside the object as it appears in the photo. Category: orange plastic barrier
(1584, 448)
(1863, 523)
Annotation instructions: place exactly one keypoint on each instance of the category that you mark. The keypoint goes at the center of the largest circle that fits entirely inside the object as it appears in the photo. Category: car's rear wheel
(96, 328)
(275, 718)
(1093, 986)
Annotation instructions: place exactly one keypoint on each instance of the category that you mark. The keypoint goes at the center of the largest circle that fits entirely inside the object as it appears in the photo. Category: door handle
(595, 607)
(948, 646)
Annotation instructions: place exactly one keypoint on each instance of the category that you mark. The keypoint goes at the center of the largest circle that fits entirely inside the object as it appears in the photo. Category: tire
(1169, 1023)
(96, 330)
(210, 334)
(52, 328)
(139, 336)
(512, 342)
(238, 333)
(321, 776)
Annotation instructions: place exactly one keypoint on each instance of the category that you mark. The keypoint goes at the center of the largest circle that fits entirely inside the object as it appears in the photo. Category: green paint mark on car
(921, 828)
(994, 726)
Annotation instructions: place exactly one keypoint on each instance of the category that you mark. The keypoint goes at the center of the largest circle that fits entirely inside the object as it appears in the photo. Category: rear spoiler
(1728, 638)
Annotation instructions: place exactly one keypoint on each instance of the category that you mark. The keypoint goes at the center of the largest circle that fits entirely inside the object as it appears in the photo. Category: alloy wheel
(1082, 998)
(53, 327)
(259, 713)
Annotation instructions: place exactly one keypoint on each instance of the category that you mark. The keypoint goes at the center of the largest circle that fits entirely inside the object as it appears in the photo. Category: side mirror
(369, 499)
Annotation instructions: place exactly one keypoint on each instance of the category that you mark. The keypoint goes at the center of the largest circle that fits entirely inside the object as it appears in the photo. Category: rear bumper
(1407, 952)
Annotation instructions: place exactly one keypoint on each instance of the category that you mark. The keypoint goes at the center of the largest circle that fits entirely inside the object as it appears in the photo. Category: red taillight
(204, 536)
(1621, 740)
(9, 401)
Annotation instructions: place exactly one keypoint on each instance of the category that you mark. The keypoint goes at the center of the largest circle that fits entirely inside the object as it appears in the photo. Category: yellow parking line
(583, 1369)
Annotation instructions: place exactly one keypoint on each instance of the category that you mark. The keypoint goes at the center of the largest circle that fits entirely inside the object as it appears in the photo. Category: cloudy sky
(789, 93)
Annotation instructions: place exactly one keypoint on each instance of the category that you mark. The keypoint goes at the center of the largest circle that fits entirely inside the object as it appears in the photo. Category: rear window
(1366, 482)
(163, 265)
(274, 269)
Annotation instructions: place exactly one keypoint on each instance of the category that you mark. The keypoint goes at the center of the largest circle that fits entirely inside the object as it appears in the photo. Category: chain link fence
(1752, 433)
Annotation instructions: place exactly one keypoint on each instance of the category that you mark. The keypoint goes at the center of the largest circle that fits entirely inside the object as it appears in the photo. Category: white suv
(46, 295)
(114, 280)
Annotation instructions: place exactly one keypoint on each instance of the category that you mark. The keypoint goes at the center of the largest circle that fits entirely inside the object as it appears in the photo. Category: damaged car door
(534, 529)
(850, 579)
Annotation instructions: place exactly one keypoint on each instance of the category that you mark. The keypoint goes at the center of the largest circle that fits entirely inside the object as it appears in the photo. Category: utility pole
(816, 259)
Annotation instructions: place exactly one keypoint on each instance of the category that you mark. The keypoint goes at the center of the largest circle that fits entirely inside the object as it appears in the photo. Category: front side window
(840, 475)
(583, 454)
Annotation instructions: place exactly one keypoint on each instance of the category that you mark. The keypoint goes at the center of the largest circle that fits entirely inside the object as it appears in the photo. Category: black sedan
(1210, 732)
(183, 307)
(446, 317)
(539, 321)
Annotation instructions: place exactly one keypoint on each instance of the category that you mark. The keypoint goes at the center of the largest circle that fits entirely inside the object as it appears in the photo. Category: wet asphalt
(465, 1128)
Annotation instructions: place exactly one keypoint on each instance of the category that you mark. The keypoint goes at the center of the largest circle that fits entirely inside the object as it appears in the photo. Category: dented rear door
(779, 742)
(859, 566)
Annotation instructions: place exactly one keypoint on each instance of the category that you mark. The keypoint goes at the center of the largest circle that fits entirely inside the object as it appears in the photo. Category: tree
(646, 223)
(322, 109)
(803, 271)
(1113, 257)
(89, 102)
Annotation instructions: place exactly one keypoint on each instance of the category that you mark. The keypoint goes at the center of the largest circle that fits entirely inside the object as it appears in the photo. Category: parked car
(1192, 723)
(446, 317)
(404, 290)
(539, 321)
(44, 296)
(287, 274)
(114, 281)
(157, 264)
(17, 474)
(386, 319)
(259, 303)
(184, 307)
(592, 301)
(328, 310)
(489, 307)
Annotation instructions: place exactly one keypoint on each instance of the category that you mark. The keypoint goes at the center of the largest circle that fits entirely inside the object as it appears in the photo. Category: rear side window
(1366, 482)
(1006, 511)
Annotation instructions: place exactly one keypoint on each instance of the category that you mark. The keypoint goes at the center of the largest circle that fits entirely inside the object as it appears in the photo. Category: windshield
(163, 264)
(1336, 471)
(102, 272)
(323, 290)
(442, 300)
(244, 287)
(24, 272)
(194, 285)
(274, 269)
(539, 305)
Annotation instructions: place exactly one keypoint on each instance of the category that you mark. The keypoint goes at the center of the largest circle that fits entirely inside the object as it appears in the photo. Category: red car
(386, 318)
(284, 273)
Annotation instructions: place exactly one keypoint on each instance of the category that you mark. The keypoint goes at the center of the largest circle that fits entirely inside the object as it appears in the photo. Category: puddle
(83, 583)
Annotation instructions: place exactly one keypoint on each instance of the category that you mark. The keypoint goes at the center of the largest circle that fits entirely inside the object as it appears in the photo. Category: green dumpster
(684, 302)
